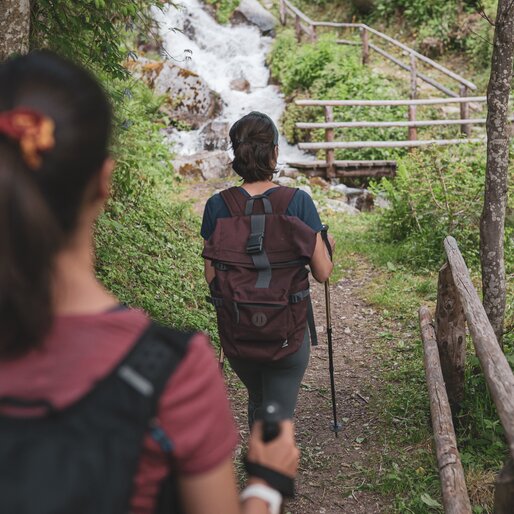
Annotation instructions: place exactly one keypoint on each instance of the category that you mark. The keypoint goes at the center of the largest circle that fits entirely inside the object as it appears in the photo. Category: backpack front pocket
(260, 322)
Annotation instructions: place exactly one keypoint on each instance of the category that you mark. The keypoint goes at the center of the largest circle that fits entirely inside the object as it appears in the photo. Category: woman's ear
(104, 185)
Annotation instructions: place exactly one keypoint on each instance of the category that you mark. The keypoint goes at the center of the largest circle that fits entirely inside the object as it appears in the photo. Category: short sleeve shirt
(194, 412)
(301, 206)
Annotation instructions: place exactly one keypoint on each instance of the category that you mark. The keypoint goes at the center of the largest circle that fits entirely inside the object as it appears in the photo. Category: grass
(409, 471)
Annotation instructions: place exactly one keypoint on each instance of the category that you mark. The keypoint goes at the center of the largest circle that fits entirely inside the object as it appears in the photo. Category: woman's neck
(76, 289)
(258, 188)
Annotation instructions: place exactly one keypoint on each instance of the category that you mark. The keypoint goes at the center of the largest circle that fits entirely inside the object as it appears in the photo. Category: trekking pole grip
(324, 236)
(270, 422)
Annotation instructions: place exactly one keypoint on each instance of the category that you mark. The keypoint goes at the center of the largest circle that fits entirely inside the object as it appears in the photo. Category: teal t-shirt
(300, 206)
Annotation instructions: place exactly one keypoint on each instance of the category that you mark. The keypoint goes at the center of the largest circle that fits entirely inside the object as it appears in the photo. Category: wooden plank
(283, 12)
(451, 337)
(464, 112)
(421, 76)
(341, 164)
(387, 144)
(451, 473)
(369, 103)
(361, 173)
(365, 46)
(413, 132)
(384, 124)
(298, 13)
(338, 25)
(426, 60)
(498, 374)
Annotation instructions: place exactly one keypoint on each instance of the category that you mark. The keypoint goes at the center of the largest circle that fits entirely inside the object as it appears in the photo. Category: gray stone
(252, 12)
(240, 85)
(306, 189)
(189, 98)
(215, 135)
(207, 165)
(339, 206)
(285, 181)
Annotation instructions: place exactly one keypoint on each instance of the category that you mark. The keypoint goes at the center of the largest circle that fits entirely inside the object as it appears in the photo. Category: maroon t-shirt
(193, 411)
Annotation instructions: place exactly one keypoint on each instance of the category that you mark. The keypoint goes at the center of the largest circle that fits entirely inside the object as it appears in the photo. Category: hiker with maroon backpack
(102, 411)
(259, 238)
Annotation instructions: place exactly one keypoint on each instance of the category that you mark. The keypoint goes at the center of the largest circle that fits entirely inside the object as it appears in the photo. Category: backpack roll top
(261, 286)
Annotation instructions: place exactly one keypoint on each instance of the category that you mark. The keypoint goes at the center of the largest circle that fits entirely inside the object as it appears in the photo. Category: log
(406, 67)
(338, 25)
(283, 13)
(451, 473)
(413, 133)
(504, 490)
(498, 374)
(386, 144)
(342, 164)
(450, 327)
(369, 103)
(384, 124)
(347, 42)
(298, 13)
(298, 28)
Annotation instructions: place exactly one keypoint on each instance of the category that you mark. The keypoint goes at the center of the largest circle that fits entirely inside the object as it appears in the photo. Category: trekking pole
(335, 426)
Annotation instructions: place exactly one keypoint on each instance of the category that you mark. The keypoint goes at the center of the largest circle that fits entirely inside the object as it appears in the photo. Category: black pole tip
(335, 427)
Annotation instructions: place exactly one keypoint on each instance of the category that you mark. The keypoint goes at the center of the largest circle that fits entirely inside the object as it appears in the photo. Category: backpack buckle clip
(255, 243)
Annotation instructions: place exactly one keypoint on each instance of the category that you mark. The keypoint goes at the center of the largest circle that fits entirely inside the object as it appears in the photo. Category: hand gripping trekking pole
(335, 426)
(271, 417)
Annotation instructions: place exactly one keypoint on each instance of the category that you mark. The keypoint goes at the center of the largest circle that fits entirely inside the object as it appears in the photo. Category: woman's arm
(216, 492)
(321, 264)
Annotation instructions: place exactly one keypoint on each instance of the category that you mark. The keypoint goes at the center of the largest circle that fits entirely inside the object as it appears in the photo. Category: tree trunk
(14, 27)
(492, 224)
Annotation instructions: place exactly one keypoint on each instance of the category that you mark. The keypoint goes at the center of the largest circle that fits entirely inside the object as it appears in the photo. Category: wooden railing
(445, 352)
(304, 25)
(330, 144)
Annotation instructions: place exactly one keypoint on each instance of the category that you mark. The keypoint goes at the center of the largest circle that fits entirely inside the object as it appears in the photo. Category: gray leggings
(277, 381)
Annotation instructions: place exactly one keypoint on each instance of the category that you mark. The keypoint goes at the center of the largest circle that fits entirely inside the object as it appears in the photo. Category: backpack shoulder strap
(235, 200)
(153, 359)
(281, 198)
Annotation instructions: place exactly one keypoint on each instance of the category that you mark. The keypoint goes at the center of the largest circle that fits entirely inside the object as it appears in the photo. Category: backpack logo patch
(259, 319)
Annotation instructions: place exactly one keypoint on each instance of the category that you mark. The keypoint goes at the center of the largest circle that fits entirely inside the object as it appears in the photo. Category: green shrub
(224, 8)
(438, 192)
(148, 243)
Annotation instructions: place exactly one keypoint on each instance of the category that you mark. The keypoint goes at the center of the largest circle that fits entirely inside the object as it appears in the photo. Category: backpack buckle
(255, 243)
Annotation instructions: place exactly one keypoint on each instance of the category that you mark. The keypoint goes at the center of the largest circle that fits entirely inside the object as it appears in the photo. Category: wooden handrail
(369, 103)
(496, 369)
(385, 37)
(386, 144)
(453, 484)
(385, 124)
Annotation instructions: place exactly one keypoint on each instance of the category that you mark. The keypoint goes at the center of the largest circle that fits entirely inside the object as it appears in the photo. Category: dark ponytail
(254, 140)
(40, 207)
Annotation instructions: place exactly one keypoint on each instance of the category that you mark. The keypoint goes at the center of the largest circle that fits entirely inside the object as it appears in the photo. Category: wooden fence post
(365, 46)
(504, 490)
(283, 12)
(298, 28)
(464, 112)
(314, 35)
(413, 132)
(451, 337)
(329, 138)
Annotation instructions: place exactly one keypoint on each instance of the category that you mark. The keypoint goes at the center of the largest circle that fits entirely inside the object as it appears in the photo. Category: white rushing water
(220, 54)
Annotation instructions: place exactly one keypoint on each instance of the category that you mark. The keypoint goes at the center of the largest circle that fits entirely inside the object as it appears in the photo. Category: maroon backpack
(261, 286)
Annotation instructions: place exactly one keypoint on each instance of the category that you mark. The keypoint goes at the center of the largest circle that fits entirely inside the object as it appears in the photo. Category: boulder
(215, 135)
(240, 85)
(285, 181)
(252, 12)
(207, 165)
(189, 98)
(339, 206)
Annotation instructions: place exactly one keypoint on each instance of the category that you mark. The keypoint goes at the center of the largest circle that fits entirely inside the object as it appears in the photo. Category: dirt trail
(331, 478)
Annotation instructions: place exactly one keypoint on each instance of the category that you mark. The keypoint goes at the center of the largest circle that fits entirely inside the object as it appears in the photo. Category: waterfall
(220, 54)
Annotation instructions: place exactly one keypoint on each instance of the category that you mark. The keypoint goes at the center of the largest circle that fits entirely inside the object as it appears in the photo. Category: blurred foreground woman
(101, 410)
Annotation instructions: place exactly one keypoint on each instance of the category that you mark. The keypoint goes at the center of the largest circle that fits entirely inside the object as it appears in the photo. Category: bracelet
(270, 496)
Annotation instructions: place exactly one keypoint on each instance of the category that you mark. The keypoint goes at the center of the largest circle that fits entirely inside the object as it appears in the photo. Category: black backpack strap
(281, 198)
(235, 200)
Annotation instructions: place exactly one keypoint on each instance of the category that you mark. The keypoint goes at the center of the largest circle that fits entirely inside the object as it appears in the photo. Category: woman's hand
(281, 454)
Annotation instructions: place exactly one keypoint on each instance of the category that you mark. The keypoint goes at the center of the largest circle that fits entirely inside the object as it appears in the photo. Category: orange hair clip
(34, 132)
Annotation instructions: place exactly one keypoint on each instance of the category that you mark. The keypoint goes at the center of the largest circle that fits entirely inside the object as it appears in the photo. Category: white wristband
(272, 497)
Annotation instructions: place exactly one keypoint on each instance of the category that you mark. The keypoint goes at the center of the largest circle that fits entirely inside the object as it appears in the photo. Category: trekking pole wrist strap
(282, 483)
(324, 236)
